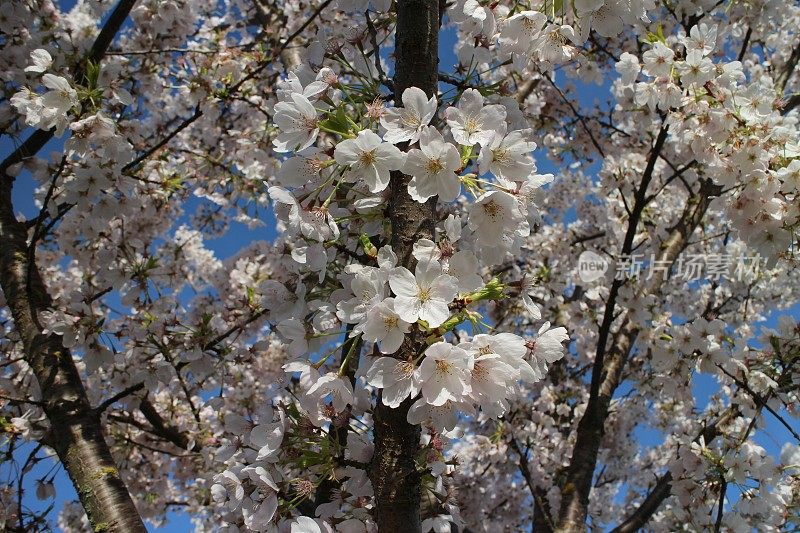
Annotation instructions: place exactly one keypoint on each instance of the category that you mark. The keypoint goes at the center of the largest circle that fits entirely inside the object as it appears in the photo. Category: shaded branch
(663, 486)
(31, 146)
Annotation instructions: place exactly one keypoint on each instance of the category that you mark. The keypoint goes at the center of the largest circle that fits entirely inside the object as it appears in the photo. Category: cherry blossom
(424, 295)
(407, 123)
(398, 379)
(369, 159)
(507, 156)
(444, 374)
(473, 123)
(41, 60)
(297, 121)
(270, 301)
(384, 326)
(433, 168)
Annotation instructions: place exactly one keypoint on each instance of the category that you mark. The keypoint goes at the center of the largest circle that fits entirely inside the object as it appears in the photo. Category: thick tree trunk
(76, 433)
(393, 471)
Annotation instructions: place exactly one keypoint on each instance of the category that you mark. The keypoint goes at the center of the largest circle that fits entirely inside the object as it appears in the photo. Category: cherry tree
(278, 267)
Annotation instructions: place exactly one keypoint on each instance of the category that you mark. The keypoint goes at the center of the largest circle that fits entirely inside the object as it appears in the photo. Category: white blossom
(369, 159)
(406, 123)
(41, 61)
(433, 168)
(473, 123)
(424, 295)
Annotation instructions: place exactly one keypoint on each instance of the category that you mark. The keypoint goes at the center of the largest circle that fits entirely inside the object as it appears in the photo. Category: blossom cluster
(385, 301)
(722, 120)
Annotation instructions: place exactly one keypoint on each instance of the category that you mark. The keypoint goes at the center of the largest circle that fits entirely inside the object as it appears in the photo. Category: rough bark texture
(393, 471)
(76, 433)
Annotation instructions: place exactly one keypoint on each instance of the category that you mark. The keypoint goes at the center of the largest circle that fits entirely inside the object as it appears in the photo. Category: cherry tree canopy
(280, 266)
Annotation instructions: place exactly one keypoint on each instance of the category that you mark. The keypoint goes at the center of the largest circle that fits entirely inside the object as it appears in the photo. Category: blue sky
(239, 236)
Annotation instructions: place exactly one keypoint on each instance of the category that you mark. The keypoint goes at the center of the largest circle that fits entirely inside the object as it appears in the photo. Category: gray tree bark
(393, 470)
(76, 433)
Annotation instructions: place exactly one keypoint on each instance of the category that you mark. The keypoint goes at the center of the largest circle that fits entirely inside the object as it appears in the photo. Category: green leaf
(337, 122)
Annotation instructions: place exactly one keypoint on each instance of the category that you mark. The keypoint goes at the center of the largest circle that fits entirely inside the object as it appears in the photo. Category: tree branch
(77, 435)
(663, 486)
(606, 375)
(31, 146)
(163, 429)
(393, 470)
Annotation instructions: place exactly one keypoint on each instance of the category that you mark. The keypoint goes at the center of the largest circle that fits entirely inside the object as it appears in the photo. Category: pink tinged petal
(370, 175)
(427, 272)
(508, 344)
(397, 135)
(451, 158)
(418, 412)
(346, 152)
(368, 140)
(414, 164)
(471, 101)
(449, 188)
(434, 393)
(377, 178)
(56, 83)
(304, 105)
(408, 308)
(380, 374)
(532, 309)
(493, 115)
(415, 99)
(445, 288)
(281, 195)
(390, 156)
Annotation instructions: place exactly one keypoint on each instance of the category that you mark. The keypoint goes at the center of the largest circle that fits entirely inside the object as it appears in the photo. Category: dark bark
(39, 138)
(608, 368)
(76, 433)
(541, 509)
(393, 470)
(663, 487)
(164, 429)
(578, 483)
